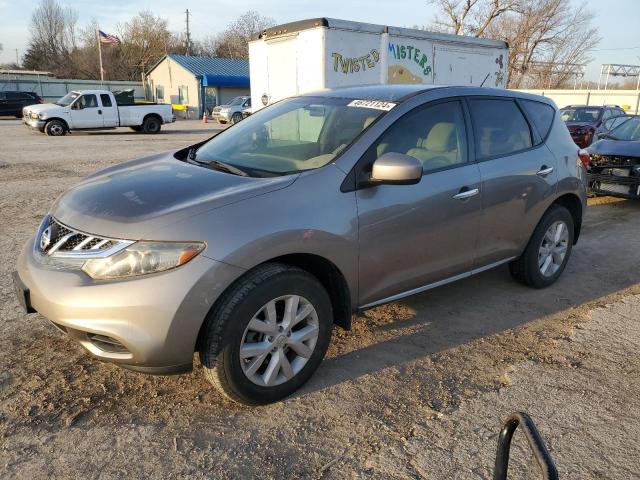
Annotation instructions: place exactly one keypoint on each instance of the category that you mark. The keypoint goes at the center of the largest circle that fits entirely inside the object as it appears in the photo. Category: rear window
(540, 114)
(499, 127)
(106, 100)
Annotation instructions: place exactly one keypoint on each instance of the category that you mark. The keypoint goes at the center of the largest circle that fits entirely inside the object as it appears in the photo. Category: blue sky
(618, 20)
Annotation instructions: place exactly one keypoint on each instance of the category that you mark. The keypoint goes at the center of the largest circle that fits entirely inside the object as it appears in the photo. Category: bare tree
(145, 39)
(548, 39)
(52, 38)
(233, 42)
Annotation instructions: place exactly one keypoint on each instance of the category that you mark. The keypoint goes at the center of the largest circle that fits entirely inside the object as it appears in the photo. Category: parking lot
(417, 389)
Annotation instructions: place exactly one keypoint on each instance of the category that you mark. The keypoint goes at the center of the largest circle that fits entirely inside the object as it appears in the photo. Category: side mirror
(396, 169)
(601, 135)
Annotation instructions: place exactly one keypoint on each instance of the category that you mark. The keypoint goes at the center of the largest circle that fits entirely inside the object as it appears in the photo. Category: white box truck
(319, 53)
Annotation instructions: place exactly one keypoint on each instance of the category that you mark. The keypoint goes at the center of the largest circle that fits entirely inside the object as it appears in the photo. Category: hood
(43, 107)
(130, 199)
(622, 148)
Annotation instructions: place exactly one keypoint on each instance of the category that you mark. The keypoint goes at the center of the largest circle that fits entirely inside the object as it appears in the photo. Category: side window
(607, 113)
(106, 100)
(88, 101)
(540, 114)
(499, 127)
(160, 92)
(13, 96)
(183, 95)
(435, 135)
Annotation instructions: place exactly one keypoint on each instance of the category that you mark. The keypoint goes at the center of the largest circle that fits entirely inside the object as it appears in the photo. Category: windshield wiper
(217, 164)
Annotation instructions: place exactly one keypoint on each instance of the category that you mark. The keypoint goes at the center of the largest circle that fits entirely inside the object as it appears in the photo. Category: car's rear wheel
(236, 117)
(267, 334)
(55, 128)
(151, 125)
(548, 251)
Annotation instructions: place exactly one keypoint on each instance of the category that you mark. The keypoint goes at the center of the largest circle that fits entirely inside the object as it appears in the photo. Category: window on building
(159, 92)
(183, 95)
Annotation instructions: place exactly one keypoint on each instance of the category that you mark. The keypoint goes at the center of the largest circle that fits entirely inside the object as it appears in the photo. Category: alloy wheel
(279, 340)
(553, 248)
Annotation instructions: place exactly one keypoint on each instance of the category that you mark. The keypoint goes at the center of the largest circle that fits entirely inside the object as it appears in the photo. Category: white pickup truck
(95, 110)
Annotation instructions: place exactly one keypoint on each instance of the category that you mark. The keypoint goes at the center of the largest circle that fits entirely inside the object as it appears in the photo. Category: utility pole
(188, 32)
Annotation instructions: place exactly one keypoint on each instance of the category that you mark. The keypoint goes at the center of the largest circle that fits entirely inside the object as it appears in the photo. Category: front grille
(56, 239)
(613, 160)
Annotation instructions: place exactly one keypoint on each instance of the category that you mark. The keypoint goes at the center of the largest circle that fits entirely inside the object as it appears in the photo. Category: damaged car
(614, 161)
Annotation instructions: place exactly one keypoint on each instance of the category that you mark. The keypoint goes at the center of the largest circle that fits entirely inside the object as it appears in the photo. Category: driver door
(85, 112)
(412, 236)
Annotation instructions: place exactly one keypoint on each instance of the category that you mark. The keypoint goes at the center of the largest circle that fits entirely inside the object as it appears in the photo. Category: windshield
(629, 130)
(589, 115)
(68, 99)
(237, 101)
(290, 136)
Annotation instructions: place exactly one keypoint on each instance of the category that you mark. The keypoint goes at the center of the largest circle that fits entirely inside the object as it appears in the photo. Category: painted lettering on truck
(355, 64)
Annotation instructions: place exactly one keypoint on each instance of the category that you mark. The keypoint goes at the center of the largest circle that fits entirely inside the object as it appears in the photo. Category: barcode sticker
(376, 104)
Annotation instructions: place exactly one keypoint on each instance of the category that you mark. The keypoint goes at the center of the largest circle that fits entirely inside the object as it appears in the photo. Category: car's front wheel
(55, 128)
(548, 251)
(266, 335)
(235, 118)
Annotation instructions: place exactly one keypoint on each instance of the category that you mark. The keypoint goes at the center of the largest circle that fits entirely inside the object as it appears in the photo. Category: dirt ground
(418, 388)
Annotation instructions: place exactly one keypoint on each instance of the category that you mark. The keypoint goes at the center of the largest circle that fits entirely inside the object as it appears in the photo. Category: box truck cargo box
(320, 53)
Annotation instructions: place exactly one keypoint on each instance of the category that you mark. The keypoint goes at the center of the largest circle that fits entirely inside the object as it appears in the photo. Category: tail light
(584, 157)
(40, 100)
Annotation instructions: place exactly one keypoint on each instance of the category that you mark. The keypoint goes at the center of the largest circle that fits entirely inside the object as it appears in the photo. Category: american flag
(106, 38)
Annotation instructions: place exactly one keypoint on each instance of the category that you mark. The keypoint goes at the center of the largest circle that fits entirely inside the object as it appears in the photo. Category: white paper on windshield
(375, 104)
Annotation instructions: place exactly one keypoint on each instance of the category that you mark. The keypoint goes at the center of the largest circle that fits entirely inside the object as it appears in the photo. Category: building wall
(629, 100)
(171, 76)
(51, 89)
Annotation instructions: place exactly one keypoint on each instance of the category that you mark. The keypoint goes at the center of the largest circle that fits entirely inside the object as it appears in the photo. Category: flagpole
(100, 54)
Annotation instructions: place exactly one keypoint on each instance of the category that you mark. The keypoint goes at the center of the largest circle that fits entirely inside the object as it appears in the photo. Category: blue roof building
(195, 83)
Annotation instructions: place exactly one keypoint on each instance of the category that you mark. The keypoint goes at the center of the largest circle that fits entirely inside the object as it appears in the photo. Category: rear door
(109, 111)
(86, 112)
(519, 173)
(415, 235)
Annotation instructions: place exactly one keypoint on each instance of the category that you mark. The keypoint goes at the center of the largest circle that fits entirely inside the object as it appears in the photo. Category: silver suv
(233, 111)
(249, 247)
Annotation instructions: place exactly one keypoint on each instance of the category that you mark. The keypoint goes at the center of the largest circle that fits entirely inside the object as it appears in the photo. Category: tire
(528, 269)
(227, 329)
(151, 125)
(235, 118)
(55, 128)
(137, 128)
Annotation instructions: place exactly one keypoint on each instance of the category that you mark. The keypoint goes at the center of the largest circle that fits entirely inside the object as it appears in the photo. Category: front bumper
(147, 323)
(221, 116)
(34, 123)
(614, 185)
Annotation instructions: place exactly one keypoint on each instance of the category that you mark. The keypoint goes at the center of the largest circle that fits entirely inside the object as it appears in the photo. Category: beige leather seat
(439, 149)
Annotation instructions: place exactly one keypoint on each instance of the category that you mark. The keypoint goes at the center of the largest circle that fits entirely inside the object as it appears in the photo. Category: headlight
(34, 115)
(142, 258)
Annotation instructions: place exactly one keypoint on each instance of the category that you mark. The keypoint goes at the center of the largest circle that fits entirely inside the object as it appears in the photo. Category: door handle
(544, 171)
(99, 112)
(466, 192)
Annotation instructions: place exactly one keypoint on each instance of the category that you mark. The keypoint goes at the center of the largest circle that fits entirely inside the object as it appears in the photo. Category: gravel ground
(418, 388)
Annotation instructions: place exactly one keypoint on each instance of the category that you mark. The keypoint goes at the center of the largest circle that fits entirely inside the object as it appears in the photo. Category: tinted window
(14, 96)
(540, 114)
(499, 127)
(106, 100)
(435, 135)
